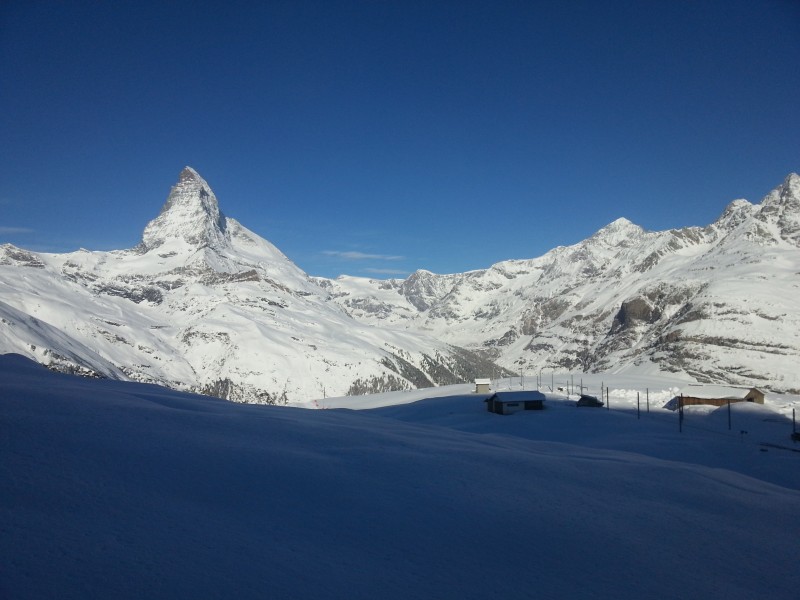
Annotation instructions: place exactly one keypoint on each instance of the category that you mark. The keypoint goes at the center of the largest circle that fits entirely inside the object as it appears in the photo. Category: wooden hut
(482, 386)
(717, 395)
(506, 403)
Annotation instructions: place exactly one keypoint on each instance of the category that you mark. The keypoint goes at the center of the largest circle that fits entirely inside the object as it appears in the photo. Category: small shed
(482, 386)
(717, 395)
(506, 403)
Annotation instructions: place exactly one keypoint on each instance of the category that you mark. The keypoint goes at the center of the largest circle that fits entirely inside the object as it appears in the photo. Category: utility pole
(729, 415)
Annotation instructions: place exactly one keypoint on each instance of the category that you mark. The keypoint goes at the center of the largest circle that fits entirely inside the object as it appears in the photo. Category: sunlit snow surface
(123, 490)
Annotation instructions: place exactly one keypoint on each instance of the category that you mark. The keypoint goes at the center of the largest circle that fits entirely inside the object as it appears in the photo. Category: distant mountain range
(719, 303)
(204, 304)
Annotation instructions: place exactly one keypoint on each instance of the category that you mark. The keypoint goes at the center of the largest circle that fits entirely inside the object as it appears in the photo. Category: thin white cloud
(15, 230)
(385, 271)
(353, 255)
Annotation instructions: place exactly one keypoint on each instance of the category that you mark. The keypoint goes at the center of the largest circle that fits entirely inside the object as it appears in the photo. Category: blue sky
(376, 138)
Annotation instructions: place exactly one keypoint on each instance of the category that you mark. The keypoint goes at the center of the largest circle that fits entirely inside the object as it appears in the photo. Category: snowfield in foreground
(124, 490)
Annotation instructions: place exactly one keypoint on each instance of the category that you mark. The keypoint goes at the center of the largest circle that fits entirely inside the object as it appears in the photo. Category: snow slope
(125, 490)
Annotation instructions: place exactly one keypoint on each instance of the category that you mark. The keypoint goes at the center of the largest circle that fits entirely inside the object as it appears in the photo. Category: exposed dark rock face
(226, 389)
(633, 312)
(11, 255)
(379, 385)
(136, 294)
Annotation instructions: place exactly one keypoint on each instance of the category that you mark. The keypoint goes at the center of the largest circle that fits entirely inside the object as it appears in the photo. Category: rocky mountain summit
(204, 304)
(718, 303)
(191, 215)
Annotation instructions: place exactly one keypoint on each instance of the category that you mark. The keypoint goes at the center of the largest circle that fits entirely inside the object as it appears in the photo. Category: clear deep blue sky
(381, 137)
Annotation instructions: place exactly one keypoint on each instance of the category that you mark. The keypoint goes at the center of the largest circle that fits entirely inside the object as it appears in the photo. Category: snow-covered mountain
(204, 304)
(719, 303)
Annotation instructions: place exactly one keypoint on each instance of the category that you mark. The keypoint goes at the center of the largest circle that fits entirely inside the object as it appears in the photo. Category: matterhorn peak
(191, 214)
(189, 174)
